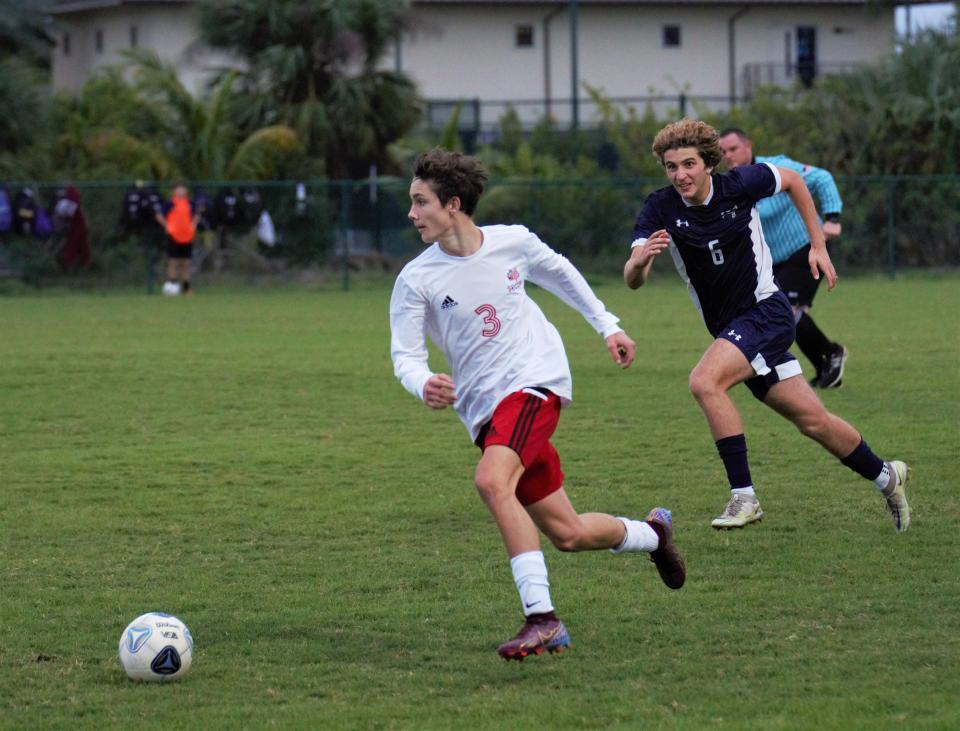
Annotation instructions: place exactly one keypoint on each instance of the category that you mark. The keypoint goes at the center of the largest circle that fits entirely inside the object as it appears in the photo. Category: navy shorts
(763, 334)
(794, 277)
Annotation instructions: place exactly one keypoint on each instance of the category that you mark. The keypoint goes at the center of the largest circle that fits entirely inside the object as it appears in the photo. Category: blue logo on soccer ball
(167, 661)
(136, 637)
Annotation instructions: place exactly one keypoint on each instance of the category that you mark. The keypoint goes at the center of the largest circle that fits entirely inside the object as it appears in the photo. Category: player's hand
(438, 393)
(621, 348)
(655, 243)
(819, 261)
(831, 230)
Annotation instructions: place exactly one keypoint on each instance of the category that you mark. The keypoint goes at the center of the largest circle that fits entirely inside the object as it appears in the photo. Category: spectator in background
(180, 222)
(790, 246)
(71, 224)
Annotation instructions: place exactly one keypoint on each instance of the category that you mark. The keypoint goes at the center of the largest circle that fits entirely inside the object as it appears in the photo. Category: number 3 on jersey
(491, 325)
(717, 254)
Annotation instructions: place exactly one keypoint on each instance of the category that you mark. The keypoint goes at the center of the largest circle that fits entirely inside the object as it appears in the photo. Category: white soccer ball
(156, 646)
(171, 289)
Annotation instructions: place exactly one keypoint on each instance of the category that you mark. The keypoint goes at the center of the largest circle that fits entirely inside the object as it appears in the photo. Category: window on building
(671, 36)
(66, 44)
(134, 36)
(98, 41)
(524, 36)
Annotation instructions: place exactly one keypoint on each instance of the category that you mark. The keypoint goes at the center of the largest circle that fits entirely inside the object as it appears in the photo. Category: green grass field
(246, 460)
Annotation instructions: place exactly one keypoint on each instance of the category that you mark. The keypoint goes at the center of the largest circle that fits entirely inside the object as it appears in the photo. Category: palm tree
(168, 133)
(25, 33)
(199, 134)
(25, 45)
(311, 64)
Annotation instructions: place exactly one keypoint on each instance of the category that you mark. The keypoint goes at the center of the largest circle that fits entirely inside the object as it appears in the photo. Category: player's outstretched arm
(637, 268)
(622, 348)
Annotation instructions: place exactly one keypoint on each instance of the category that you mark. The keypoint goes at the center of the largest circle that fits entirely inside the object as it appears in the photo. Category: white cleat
(895, 494)
(740, 511)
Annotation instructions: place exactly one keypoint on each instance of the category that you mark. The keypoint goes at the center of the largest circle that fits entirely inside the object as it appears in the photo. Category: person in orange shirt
(179, 220)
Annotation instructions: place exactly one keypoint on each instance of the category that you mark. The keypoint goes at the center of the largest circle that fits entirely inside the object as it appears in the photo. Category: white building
(539, 55)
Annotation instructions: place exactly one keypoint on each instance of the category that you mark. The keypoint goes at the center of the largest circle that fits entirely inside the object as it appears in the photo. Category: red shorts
(525, 421)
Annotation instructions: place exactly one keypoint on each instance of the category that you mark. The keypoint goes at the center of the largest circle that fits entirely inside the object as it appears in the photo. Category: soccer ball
(156, 646)
(171, 289)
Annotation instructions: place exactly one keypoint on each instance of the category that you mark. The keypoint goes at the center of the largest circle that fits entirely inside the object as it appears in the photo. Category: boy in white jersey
(509, 379)
(711, 227)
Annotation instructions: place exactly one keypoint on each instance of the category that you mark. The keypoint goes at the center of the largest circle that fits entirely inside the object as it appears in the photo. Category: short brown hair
(453, 174)
(689, 133)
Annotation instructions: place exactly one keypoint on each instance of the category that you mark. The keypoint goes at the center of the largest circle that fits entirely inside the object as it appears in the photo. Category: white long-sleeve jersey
(496, 339)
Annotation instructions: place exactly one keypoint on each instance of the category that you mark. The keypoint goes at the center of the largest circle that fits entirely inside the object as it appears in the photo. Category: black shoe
(815, 381)
(832, 374)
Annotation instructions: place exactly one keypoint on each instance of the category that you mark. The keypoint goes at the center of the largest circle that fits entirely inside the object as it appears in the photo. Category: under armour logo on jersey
(733, 334)
(448, 302)
(682, 222)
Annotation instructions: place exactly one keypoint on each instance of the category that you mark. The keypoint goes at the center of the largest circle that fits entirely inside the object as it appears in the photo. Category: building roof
(752, 3)
(64, 7)
(67, 7)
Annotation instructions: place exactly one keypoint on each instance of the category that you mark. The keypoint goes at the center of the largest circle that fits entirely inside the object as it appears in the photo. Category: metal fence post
(892, 228)
(347, 231)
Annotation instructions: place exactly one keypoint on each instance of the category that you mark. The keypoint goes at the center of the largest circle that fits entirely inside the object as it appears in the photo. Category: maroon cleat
(666, 558)
(540, 632)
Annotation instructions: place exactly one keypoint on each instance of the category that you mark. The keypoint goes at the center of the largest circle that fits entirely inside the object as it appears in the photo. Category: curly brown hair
(689, 133)
(452, 174)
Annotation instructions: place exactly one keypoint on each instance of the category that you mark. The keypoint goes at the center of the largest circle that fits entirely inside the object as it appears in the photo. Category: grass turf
(246, 460)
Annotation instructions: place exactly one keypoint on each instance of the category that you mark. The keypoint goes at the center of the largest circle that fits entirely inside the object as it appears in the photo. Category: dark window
(66, 44)
(134, 36)
(806, 54)
(98, 41)
(524, 35)
(671, 36)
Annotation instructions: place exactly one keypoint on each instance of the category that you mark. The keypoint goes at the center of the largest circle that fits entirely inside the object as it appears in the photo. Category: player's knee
(490, 487)
(700, 386)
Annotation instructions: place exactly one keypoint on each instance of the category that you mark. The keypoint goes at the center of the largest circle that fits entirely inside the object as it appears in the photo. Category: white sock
(748, 490)
(530, 576)
(883, 479)
(640, 537)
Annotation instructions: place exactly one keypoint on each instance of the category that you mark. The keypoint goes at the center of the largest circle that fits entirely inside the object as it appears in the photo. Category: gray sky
(934, 15)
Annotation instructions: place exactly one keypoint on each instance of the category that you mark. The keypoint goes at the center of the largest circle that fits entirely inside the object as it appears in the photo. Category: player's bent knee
(700, 386)
(490, 488)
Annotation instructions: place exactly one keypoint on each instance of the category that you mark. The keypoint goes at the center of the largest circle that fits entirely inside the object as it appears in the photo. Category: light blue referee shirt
(782, 226)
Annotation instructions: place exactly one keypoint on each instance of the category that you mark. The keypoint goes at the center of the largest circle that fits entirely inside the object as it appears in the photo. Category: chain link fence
(335, 230)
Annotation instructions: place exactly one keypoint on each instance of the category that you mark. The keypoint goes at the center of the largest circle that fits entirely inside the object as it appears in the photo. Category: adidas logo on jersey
(448, 302)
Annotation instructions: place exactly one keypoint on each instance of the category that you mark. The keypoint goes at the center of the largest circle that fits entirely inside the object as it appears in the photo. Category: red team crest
(516, 283)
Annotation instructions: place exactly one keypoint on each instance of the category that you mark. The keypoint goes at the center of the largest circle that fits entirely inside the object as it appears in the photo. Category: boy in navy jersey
(711, 226)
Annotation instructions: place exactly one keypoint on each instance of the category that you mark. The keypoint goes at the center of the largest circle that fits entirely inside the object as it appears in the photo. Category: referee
(789, 244)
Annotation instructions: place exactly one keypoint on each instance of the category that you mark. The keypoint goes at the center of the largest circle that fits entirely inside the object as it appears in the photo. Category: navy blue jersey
(718, 246)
